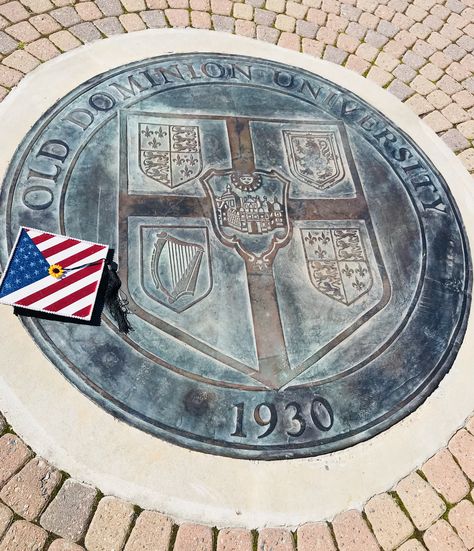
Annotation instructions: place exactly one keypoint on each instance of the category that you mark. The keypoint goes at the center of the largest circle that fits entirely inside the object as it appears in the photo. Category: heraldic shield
(170, 154)
(250, 212)
(269, 233)
(175, 266)
(337, 262)
(315, 157)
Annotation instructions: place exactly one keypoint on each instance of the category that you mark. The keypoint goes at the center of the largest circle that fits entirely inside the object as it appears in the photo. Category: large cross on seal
(274, 370)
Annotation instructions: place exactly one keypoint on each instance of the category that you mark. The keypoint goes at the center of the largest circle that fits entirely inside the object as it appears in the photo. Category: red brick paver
(234, 540)
(110, 525)
(315, 537)
(446, 477)
(24, 536)
(390, 524)
(28, 492)
(461, 517)
(441, 537)
(352, 532)
(151, 531)
(194, 536)
(462, 447)
(64, 545)
(275, 539)
(13, 455)
(421, 501)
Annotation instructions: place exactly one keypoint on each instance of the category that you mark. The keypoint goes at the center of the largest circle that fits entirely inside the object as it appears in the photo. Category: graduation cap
(59, 275)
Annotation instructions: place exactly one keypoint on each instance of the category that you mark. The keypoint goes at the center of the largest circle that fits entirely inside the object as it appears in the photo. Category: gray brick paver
(400, 90)
(264, 17)
(66, 16)
(85, 32)
(109, 26)
(336, 55)
(306, 29)
(154, 19)
(110, 8)
(404, 73)
(7, 46)
(69, 513)
(267, 34)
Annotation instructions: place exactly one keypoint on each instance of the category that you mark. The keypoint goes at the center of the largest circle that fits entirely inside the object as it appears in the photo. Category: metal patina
(297, 272)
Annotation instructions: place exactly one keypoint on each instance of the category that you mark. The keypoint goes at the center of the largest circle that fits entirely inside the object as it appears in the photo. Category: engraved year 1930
(294, 417)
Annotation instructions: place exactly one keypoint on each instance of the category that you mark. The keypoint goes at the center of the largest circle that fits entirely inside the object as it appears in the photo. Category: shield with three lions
(337, 262)
(170, 154)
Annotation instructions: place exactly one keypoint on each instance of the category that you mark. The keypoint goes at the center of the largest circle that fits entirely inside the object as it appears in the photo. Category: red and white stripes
(72, 295)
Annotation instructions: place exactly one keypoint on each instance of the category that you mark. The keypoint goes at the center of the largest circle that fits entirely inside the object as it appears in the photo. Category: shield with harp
(178, 269)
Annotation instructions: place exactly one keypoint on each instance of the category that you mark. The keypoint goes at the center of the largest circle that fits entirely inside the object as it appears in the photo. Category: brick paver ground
(421, 51)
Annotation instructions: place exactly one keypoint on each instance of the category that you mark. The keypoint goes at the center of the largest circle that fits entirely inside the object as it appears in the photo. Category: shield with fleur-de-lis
(337, 262)
(170, 154)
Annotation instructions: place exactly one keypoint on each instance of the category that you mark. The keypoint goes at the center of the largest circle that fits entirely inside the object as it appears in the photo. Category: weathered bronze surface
(297, 271)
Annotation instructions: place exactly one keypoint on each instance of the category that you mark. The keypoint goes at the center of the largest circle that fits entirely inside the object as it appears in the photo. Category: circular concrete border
(79, 437)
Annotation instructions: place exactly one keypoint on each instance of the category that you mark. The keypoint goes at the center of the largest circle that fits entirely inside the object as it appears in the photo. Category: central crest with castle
(250, 211)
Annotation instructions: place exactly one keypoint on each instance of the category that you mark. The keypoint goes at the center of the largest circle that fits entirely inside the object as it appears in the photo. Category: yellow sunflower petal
(56, 270)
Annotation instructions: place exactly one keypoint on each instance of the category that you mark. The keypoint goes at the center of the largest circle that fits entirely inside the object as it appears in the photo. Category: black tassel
(116, 304)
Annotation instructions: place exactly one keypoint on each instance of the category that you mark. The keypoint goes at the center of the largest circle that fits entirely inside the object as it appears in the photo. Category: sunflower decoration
(56, 270)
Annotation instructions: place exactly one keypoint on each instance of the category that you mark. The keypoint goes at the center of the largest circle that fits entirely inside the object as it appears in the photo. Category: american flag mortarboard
(53, 273)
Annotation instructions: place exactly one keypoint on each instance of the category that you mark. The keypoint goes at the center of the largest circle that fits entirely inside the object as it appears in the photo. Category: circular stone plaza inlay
(297, 271)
